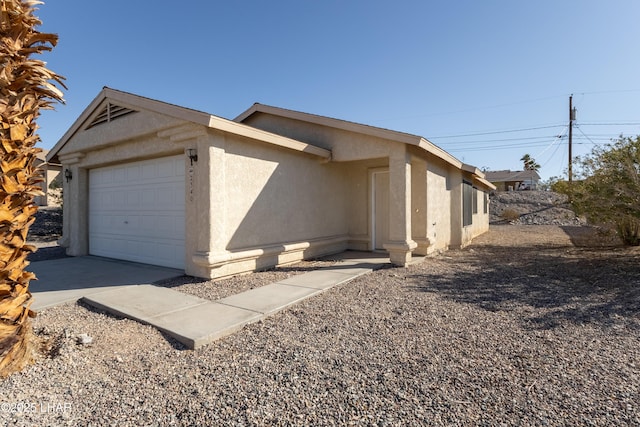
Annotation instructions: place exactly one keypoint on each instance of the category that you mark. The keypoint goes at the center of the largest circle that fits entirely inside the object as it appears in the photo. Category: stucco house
(152, 182)
(50, 175)
(508, 180)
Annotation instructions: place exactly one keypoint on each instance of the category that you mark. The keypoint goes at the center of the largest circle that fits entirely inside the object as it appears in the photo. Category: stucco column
(78, 227)
(419, 220)
(400, 243)
(75, 208)
(206, 206)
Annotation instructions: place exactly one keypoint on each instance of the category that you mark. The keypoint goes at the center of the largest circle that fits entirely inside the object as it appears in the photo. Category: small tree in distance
(608, 191)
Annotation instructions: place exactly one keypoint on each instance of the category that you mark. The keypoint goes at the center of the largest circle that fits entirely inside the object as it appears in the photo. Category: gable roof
(508, 175)
(393, 135)
(116, 98)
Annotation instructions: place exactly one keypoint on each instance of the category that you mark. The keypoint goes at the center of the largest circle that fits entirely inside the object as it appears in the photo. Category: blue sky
(487, 81)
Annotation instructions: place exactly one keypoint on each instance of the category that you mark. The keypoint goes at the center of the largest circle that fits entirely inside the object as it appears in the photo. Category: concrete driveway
(69, 279)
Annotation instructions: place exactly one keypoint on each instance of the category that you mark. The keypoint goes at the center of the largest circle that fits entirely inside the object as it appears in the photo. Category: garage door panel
(132, 198)
(148, 252)
(136, 212)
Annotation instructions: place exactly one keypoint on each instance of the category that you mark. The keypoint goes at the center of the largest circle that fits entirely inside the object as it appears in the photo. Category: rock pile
(532, 208)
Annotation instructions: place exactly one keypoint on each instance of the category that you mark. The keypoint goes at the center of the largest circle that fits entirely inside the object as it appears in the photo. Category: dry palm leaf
(26, 87)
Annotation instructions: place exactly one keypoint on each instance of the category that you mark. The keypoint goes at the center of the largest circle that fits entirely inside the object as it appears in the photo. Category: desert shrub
(607, 192)
(510, 215)
(560, 186)
(629, 230)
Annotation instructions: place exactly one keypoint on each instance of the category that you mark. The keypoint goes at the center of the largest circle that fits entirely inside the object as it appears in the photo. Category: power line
(495, 132)
(543, 164)
(598, 92)
(515, 146)
(556, 140)
(533, 128)
(494, 147)
(476, 141)
(585, 135)
(610, 124)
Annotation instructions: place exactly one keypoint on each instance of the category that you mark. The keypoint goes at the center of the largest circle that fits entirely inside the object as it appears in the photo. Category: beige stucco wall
(439, 205)
(134, 127)
(265, 206)
(436, 206)
(276, 195)
(250, 204)
(344, 145)
(351, 145)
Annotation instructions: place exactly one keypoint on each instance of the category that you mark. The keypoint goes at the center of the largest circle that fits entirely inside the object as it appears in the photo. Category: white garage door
(136, 212)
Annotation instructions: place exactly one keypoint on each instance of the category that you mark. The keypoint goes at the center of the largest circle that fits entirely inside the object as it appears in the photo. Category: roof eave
(405, 138)
(193, 116)
(261, 135)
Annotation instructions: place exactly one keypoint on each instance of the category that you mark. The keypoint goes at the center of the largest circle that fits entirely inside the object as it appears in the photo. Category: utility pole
(571, 118)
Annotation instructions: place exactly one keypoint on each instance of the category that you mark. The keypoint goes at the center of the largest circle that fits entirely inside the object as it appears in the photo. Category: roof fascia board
(261, 135)
(330, 122)
(160, 107)
(478, 175)
(353, 127)
(215, 122)
(474, 170)
(186, 114)
(440, 153)
(485, 183)
(76, 125)
(247, 113)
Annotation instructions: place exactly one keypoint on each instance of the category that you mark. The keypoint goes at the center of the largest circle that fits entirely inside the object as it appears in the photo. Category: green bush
(608, 188)
(561, 187)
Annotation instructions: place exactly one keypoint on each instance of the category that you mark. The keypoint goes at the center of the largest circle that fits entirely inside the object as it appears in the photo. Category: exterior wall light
(68, 175)
(192, 153)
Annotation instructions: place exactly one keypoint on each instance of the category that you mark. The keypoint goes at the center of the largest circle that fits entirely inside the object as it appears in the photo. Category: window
(467, 203)
(486, 203)
(475, 200)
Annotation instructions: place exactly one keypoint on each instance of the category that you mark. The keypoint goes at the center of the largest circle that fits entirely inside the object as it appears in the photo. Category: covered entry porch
(388, 205)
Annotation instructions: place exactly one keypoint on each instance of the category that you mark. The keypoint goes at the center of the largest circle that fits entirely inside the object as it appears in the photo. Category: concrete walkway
(69, 279)
(195, 321)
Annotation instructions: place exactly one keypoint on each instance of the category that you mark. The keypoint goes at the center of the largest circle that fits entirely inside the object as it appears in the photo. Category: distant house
(508, 180)
(51, 174)
(152, 182)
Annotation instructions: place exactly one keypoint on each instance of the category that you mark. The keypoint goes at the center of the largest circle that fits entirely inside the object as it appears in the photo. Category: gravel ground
(530, 325)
